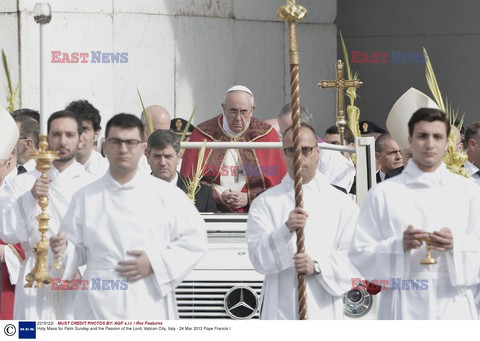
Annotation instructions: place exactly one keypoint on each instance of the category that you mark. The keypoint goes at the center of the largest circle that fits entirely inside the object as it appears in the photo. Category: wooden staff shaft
(295, 94)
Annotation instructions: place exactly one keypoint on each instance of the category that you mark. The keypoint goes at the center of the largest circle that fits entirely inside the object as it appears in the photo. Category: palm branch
(148, 118)
(12, 103)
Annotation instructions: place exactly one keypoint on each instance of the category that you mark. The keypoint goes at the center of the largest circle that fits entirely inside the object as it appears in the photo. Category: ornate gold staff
(44, 157)
(340, 84)
(292, 13)
(39, 273)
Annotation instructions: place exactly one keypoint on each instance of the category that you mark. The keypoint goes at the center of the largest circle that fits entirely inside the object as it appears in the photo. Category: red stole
(8, 290)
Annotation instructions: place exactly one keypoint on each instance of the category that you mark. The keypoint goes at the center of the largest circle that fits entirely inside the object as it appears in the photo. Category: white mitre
(8, 134)
(402, 111)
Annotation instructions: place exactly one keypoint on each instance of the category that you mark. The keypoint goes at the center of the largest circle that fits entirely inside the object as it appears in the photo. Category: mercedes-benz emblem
(241, 302)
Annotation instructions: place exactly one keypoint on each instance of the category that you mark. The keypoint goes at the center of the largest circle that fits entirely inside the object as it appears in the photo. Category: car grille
(205, 299)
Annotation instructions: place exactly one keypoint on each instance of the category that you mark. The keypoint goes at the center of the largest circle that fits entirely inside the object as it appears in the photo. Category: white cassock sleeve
(188, 244)
(13, 265)
(267, 244)
(336, 270)
(18, 208)
(464, 259)
(72, 226)
(376, 251)
(339, 170)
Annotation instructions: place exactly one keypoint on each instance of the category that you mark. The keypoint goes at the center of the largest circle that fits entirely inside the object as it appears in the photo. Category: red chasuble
(8, 290)
(263, 168)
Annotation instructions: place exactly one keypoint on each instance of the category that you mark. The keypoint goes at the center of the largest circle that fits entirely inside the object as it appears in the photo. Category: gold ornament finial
(291, 11)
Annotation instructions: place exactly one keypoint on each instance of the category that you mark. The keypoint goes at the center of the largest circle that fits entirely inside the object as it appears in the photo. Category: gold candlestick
(39, 272)
(428, 260)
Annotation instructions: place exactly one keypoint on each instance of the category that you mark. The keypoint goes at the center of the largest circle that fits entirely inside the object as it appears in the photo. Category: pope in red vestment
(254, 170)
(8, 289)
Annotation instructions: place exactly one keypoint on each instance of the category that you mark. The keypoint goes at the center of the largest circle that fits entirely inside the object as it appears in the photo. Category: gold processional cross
(341, 84)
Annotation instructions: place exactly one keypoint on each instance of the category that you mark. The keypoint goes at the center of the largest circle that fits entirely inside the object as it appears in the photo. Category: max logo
(94, 57)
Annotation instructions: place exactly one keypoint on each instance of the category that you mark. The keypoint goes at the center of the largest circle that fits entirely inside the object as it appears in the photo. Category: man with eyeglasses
(28, 141)
(132, 229)
(237, 175)
(19, 207)
(338, 169)
(328, 217)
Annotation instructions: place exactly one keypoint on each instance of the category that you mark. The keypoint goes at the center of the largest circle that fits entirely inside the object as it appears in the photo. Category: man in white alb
(328, 217)
(130, 226)
(19, 207)
(426, 203)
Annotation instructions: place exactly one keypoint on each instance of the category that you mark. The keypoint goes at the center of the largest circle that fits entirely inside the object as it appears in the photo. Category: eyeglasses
(290, 151)
(118, 142)
(242, 112)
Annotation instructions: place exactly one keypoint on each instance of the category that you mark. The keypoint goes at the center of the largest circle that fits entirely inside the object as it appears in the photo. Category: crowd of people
(124, 215)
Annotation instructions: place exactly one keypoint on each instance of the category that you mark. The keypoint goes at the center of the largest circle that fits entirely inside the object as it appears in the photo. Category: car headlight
(357, 302)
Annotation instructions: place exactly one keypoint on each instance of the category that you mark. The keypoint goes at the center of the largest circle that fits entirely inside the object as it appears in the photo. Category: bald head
(274, 123)
(285, 117)
(160, 117)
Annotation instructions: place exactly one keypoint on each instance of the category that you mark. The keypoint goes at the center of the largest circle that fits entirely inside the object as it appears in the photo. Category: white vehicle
(225, 285)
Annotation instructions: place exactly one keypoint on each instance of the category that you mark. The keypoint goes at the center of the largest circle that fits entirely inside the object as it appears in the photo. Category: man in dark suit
(406, 155)
(394, 172)
(387, 154)
(163, 148)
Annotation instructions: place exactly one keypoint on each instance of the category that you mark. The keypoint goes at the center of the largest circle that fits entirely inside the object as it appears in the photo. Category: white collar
(134, 182)
(318, 181)
(29, 165)
(382, 175)
(175, 179)
(414, 174)
(472, 168)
